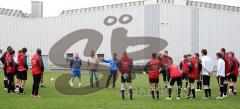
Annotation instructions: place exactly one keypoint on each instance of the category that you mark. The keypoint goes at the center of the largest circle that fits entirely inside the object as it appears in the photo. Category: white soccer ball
(52, 79)
(144, 72)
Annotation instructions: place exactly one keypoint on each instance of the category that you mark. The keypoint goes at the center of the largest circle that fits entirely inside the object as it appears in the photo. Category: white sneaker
(16, 90)
(5, 89)
(198, 90)
(168, 98)
(230, 91)
(204, 98)
(70, 83)
(219, 98)
(178, 98)
(224, 96)
(79, 84)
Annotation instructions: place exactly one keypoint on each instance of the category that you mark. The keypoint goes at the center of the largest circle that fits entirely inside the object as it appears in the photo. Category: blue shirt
(113, 63)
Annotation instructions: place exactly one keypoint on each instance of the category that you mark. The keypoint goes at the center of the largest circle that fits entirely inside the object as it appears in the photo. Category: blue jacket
(113, 63)
(76, 63)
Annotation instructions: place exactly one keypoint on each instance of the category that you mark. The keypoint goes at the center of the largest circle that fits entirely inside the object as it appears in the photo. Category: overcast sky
(55, 7)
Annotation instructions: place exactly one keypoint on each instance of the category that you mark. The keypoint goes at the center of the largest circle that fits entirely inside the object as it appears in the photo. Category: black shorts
(232, 78)
(10, 76)
(128, 80)
(206, 80)
(163, 72)
(221, 80)
(18, 75)
(191, 80)
(23, 75)
(165, 75)
(153, 80)
(173, 80)
(185, 76)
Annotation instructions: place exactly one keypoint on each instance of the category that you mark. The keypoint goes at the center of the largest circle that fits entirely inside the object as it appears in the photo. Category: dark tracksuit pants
(10, 85)
(113, 73)
(36, 82)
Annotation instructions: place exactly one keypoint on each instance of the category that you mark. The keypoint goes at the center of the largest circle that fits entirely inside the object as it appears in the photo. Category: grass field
(109, 98)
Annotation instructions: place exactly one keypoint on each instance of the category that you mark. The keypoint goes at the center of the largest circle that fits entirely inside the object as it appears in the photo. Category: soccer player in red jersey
(152, 68)
(193, 75)
(227, 60)
(22, 69)
(164, 59)
(200, 77)
(37, 71)
(184, 68)
(175, 76)
(125, 66)
(10, 67)
(233, 73)
(4, 65)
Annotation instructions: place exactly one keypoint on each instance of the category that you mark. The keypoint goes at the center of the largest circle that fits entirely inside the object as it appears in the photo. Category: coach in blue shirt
(113, 69)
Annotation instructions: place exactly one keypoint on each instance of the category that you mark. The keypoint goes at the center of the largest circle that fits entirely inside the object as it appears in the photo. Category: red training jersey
(21, 66)
(9, 59)
(125, 64)
(174, 72)
(153, 69)
(36, 67)
(185, 65)
(194, 73)
(236, 66)
(227, 60)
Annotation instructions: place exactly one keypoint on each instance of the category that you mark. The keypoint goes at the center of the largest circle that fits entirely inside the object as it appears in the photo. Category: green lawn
(109, 98)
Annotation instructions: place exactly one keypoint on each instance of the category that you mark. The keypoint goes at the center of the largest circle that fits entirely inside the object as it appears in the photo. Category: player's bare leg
(123, 90)
(169, 92)
(206, 89)
(230, 91)
(17, 84)
(130, 90)
(21, 85)
(42, 83)
(157, 90)
(221, 89)
(191, 90)
(80, 81)
(225, 88)
(234, 88)
(179, 90)
(152, 86)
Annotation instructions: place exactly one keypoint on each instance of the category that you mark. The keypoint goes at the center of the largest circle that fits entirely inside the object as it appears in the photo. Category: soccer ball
(144, 73)
(52, 79)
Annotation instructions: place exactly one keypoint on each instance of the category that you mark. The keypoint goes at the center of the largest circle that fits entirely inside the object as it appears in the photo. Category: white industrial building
(179, 26)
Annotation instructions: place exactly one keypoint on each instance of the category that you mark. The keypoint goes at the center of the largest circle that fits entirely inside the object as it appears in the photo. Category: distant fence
(112, 6)
(213, 6)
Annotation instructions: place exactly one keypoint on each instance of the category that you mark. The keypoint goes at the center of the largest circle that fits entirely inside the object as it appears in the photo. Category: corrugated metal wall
(219, 29)
(186, 29)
